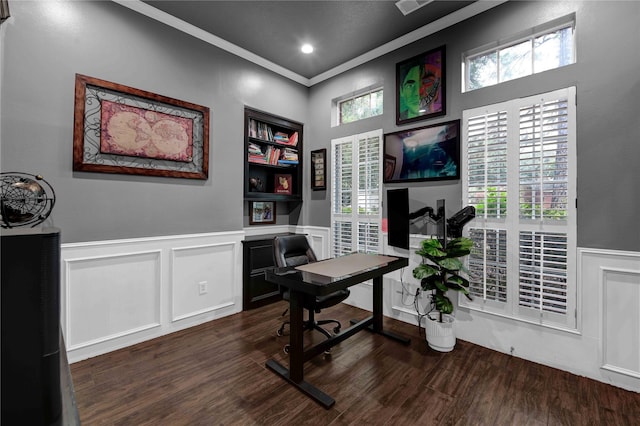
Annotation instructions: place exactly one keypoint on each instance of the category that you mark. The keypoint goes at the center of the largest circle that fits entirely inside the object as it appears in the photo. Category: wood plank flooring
(215, 374)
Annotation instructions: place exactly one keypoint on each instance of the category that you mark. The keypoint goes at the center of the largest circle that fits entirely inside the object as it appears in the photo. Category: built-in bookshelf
(273, 157)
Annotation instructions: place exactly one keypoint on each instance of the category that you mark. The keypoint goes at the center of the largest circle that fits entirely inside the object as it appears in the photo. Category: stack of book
(284, 139)
(271, 155)
(289, 156)
(256, 155)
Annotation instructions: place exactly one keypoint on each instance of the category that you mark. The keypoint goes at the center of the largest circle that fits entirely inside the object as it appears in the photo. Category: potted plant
(439, 272)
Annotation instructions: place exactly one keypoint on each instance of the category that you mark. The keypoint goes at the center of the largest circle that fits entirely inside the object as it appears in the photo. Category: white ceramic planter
(440, 335)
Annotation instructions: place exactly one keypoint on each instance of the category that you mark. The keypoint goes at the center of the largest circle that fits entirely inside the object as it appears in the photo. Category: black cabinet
(257, 257)
(31, 327)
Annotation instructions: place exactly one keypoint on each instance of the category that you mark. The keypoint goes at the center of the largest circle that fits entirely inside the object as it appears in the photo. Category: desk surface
(325, 277)
(346, 265)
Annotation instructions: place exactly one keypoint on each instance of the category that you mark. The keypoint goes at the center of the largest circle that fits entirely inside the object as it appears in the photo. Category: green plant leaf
(424, 271)
(443, 304)
(443, 274)
(431, 242)
(431, 248)
(430, 283)
(450, 264)
(440, 285)
(458, 280)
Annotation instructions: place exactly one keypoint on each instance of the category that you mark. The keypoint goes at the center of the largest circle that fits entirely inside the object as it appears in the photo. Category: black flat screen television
(423, 154)
(398, 218)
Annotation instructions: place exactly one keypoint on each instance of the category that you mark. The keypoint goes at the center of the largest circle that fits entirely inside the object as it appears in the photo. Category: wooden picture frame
(319, 170)
(119, 129)
(283, 184)
(389, 167)
(421, 86)
(262, 212)
(428, 153)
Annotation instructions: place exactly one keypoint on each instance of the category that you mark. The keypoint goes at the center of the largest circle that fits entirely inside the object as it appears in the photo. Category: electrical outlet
(202, 288)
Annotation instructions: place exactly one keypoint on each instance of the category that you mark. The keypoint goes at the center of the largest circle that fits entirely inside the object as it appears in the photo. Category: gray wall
(46, 43)
(43, 49)
(606, 74)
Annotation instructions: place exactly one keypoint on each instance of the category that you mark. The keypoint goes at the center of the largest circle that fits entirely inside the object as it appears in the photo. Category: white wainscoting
(118, 293)
(605, 348)
(613, 278)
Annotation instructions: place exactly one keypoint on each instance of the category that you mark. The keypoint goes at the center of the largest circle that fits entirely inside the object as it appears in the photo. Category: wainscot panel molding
(319, 239)
(118, 293)
(606, 346)
(614, 276)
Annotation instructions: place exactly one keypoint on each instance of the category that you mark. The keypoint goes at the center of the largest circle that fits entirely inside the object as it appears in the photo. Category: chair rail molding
(122, 292)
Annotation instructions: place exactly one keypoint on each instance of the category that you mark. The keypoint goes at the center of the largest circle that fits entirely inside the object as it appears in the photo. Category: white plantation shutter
(341, 196)
(543, 271)
(543, 160)
(488, 264)
(356, 193)
(487, 164)
(520, 161)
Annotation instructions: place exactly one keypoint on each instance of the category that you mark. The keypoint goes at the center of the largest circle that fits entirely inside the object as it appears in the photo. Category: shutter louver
(543, 161)
(487, 164)
(543, 271)
(488, 264)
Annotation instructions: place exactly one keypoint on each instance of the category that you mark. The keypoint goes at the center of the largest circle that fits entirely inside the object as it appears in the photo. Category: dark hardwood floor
(215, 374)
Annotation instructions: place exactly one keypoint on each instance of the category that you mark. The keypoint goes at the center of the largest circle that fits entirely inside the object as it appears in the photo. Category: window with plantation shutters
(520, 159)
(356, 193)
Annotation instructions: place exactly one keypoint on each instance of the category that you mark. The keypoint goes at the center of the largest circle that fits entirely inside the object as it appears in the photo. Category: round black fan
(25, 199)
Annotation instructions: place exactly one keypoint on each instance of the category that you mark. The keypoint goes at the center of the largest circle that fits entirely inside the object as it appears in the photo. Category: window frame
(512, 222)
(530, 36)
(359, 94)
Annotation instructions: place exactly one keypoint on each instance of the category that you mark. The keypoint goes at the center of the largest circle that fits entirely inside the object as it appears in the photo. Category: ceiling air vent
(408, 6)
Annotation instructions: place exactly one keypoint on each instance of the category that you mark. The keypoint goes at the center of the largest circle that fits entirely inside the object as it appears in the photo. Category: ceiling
(345, 33)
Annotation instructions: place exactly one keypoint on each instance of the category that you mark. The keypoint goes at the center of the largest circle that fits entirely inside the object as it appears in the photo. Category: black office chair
(294, 250)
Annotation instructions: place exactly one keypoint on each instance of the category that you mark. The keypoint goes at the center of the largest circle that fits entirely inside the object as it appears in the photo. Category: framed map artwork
(119, 129)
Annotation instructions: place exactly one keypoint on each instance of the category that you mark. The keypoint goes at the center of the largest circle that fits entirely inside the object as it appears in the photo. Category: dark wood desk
(341, 272)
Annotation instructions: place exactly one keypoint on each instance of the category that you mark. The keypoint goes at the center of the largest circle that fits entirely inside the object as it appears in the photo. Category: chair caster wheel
(286, 349)
(279, 333)
(336, 330)
(327, 352)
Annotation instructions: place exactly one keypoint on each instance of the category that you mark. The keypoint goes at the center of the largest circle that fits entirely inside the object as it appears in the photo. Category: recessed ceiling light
(306, 48)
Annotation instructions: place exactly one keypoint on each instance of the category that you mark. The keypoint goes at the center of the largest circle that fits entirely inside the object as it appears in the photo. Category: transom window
(363, 105)
(541, 50)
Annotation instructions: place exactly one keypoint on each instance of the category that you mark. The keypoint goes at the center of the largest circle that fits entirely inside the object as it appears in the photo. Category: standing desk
(319, 279)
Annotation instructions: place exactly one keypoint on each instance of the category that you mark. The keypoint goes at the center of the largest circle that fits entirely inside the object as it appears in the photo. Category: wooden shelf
(261, 133)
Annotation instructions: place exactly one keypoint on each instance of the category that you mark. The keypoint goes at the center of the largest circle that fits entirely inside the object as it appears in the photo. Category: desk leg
(295, 373)
(296, 337)
(377, 304)
(378, 315)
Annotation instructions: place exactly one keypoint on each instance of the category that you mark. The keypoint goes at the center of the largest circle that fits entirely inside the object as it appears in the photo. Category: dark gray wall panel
(608, 94)
(47, 43)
